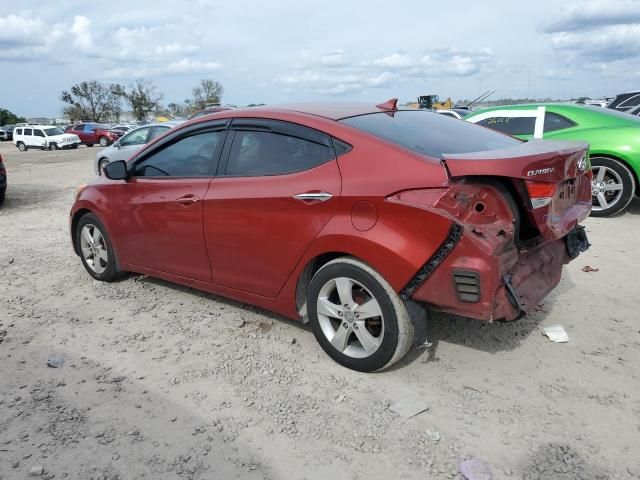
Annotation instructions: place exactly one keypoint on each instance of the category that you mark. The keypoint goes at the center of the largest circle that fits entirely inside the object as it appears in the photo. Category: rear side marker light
(540, 193)
(467, 283)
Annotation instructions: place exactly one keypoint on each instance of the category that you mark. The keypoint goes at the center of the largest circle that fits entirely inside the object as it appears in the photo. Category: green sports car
(614, 138)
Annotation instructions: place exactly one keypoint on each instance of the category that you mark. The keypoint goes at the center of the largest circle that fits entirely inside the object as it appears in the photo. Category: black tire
(103, 162)
(53, 146)
(394, 326)
(103, 141)
(22, 147)
(74, 146)
(89, 144)
(2, 197)
(111, 271)
(615, 172)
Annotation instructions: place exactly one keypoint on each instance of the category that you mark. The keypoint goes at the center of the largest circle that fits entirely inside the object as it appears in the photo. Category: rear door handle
(313, 196)
(187, 200)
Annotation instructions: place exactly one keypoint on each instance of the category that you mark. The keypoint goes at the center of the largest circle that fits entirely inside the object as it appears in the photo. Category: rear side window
(190, 156)
(511, 125)
(137, 137)
(553, 122)
(430, 133)
(157, 131)
(255, 153)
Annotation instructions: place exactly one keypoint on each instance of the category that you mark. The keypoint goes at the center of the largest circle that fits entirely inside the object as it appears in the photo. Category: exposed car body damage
(500, 275)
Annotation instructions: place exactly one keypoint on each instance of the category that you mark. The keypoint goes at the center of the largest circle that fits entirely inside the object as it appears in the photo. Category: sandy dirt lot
(161, 381)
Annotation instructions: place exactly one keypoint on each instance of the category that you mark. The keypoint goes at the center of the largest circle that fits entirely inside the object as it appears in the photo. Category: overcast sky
(280, 51)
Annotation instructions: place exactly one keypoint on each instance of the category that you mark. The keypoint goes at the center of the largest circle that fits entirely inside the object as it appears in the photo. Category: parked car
(43, 137)
(614, 138)
(625, 102)
(130, 143)
(3, 135)
(458, 113)
(343, 215)
(209, 111)
(93, 133)
(8, 129)
(3, 181)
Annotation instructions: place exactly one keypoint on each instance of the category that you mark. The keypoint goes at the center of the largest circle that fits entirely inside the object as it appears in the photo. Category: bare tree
(93, 100)
(207, 93)
(143, 98)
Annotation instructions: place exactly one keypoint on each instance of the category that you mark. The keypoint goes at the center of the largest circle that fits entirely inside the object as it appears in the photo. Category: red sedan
(92, 133)
(345, 216)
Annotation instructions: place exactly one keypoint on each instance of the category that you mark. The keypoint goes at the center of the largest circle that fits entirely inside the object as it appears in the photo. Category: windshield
(430, 133)
(49, 132)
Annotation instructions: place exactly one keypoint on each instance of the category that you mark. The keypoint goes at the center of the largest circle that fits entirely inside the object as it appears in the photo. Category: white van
(43, 137)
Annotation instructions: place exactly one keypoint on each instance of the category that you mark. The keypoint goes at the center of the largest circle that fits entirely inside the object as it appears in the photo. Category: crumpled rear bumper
(502, 284)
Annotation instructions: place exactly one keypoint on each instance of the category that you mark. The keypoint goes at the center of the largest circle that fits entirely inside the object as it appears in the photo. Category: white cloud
(81, 30)
(334, 59)
(395, 60)
(594, 14)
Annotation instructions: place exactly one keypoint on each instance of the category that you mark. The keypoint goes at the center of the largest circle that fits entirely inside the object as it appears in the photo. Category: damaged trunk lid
(552, 179)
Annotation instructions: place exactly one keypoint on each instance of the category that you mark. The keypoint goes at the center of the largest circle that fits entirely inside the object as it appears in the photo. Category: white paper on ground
(409, 407)
(556, 333)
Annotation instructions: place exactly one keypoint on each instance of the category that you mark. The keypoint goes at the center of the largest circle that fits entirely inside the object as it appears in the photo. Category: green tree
(207, 93)
(143, 98)
(9, 118)
(94, 101)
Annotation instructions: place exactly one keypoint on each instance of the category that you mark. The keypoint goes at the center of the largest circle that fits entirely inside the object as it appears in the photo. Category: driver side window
(139, 137)
(191, 156)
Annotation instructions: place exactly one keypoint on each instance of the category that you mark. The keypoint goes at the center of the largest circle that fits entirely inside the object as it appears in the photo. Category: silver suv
(134, 140)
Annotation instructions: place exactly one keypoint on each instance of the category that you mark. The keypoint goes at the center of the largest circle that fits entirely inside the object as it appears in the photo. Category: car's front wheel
(612, 186)
(53, 146)
(101, 164)
(95, 249)
(357, 317)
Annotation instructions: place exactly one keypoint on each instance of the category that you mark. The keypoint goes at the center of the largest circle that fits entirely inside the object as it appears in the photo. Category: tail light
(540, 193)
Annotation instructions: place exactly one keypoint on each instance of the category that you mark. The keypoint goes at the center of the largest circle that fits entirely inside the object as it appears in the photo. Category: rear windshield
(50, 132)
(429, 133)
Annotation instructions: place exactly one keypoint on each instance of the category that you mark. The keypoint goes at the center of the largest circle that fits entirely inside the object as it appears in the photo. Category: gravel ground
(161, 381)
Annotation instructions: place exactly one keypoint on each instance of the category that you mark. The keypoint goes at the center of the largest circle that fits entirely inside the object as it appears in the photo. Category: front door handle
(188, 200)
(313, 197)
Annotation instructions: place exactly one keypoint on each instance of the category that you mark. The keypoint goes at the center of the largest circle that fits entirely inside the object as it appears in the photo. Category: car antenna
(481, 98)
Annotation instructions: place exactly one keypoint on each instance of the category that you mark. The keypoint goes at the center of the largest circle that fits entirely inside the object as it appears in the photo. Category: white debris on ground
(161, 381)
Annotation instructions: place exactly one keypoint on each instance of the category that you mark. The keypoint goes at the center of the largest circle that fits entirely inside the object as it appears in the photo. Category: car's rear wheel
(22, 147)
(104, 141)
(101, 164)
(357, 317)
(89, 144)
(95, 249)
(612, 186)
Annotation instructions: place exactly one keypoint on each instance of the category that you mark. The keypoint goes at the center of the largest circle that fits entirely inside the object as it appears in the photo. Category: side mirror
(116, 170)
(117, 144)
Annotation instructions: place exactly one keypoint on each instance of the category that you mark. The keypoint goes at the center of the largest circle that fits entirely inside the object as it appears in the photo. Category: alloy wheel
(94, 248)
(350, 317)
(606, 187)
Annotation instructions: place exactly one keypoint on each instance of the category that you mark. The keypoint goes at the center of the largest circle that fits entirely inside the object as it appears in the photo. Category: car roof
(329, 110)
(38, 126)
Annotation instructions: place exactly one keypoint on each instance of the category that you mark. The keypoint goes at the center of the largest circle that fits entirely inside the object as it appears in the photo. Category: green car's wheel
(612, 187)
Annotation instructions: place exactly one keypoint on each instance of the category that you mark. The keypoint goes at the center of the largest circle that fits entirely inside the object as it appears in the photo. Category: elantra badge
(540, 171)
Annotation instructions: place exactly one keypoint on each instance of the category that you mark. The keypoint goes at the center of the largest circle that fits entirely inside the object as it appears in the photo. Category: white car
(43, 137)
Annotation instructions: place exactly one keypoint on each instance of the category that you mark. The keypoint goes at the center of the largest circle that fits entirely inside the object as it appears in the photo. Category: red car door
(160, 210)
(278, 188)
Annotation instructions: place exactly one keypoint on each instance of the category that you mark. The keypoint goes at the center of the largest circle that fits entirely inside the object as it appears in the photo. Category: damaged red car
(345, 216)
